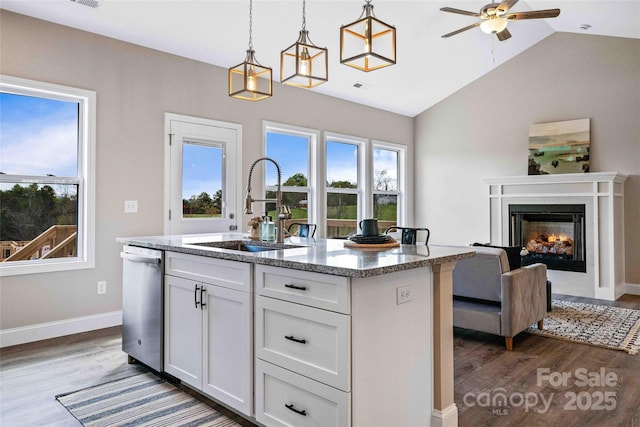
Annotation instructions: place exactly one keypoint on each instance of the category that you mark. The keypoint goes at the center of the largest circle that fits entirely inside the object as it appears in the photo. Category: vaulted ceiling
(429, 68)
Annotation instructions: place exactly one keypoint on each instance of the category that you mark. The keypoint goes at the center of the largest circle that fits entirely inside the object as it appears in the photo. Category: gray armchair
(489, 297)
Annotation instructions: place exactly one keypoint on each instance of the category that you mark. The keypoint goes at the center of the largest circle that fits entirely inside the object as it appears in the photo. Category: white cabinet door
(183, 330)
(227, 370)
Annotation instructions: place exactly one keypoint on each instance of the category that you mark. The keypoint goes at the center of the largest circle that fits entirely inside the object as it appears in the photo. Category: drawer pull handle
(292, 338)
(292, 408)
(195, 296)
(300, 288)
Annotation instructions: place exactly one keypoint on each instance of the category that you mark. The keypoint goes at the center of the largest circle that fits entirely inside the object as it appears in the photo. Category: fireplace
(598, 243)
(552, 234)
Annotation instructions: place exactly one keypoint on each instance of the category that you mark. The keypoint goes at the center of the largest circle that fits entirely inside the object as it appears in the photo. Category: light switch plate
(130, 206)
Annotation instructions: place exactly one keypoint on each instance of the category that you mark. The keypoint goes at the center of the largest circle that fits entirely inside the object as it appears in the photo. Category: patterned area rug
(140, 400)
(598, 325)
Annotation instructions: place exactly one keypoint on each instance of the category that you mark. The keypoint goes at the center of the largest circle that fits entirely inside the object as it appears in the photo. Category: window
(291, 148)
(387, 172)
(344, 165)
(356, 178)
(47, 177)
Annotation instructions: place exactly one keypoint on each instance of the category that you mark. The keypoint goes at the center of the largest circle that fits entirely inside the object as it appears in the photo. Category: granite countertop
(318, 255)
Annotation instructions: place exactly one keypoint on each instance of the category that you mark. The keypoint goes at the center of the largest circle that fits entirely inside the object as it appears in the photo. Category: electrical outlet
(102, 287)
(404, 294)
(130, 206)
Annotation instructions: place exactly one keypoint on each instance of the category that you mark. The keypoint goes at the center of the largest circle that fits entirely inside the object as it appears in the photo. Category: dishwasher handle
(141, 258)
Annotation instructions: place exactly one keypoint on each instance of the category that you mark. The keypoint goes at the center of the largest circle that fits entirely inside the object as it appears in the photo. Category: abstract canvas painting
(559, 147)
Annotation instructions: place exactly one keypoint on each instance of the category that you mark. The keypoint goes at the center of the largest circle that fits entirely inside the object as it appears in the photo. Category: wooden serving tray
(388, 245)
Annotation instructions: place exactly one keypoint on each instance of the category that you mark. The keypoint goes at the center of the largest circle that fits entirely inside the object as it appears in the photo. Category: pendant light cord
(304, 15)
(251, 24)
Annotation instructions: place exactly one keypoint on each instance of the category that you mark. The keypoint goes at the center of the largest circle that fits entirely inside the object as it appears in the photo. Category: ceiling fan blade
(503, 35)
(506, 5)
(459, 11)
(461, 30)
(534, 14)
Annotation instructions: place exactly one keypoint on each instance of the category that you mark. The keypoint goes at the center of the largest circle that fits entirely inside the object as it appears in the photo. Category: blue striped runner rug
(140, 400)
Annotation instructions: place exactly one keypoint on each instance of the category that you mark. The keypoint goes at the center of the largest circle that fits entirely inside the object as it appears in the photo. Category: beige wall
(135, 86)
(481, 131)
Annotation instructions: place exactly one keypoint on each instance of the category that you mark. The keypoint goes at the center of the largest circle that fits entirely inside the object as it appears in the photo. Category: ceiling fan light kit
(368, 43)
(249, 80)
(303, 64)
(495, 17)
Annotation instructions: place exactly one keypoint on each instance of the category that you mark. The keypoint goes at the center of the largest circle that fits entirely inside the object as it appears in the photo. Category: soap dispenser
(268, 229)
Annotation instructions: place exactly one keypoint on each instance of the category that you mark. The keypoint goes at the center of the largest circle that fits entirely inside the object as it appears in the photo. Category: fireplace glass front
(552, 234)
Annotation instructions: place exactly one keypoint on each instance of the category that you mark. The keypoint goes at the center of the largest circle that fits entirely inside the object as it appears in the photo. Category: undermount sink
(245, 246)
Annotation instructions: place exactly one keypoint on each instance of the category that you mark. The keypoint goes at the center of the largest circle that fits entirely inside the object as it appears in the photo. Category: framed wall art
(559, 147)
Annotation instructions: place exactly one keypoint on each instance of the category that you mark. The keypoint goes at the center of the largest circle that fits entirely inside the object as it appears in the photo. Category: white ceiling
(429, 68)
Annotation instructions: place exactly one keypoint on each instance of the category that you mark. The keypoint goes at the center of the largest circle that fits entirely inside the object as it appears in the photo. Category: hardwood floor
(484, 369)
(31, 375)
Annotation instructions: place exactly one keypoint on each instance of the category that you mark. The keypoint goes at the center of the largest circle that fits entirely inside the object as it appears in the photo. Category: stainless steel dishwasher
(142, 305)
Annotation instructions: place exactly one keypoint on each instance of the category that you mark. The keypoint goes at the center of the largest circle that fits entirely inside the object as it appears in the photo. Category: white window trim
(313, 135)
(87, 163)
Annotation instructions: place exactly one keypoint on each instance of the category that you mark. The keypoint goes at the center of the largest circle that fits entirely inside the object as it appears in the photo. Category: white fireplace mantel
(602, 193)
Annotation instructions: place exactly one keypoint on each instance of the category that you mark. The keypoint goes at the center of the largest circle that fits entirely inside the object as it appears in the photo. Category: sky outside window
(292, 154)
(342, 162)
(201, 170)
(38, 136)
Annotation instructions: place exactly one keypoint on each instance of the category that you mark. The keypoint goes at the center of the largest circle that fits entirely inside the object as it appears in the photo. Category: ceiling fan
(495, 18)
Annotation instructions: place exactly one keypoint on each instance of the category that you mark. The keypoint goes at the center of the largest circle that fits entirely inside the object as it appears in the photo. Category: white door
(202, 175)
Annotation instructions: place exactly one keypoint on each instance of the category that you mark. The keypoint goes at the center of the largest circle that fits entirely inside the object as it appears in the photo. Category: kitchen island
(383, 349)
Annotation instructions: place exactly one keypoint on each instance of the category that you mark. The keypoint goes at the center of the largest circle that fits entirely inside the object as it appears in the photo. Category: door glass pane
(202, 177)
(39, 136)
(342, 172)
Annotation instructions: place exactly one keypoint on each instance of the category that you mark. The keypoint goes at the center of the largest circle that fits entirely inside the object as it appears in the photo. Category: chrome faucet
(282, 211)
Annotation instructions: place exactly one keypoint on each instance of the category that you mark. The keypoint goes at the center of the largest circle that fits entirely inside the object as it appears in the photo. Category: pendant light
(304, 64)
(250, 80)
(368, 43)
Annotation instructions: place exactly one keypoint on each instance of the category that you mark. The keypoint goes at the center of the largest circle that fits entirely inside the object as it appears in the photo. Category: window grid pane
(342, 206)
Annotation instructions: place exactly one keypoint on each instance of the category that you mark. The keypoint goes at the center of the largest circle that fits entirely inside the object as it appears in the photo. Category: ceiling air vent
(90, 3)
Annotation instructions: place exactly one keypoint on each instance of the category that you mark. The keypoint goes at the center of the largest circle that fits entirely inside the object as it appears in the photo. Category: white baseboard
(632, 288)
(448, 417)
(43, 331)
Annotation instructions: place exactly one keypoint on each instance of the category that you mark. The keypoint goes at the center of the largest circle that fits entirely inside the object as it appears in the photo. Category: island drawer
(284, 398)
(304, 287)
(313, 342)
(228, 274)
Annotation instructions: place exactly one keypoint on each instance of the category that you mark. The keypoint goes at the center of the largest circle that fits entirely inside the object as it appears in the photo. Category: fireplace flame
(560, 238)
